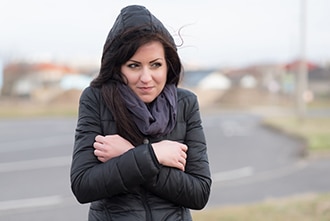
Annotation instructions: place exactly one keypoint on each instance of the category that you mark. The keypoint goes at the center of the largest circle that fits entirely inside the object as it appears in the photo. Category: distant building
(1, 76)
(40, 81)
(215, 80)
(318, 78)
(75, 82)
(206, 79)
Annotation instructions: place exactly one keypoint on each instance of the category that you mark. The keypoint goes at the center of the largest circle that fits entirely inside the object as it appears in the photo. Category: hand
(110, 146)
(171, 153)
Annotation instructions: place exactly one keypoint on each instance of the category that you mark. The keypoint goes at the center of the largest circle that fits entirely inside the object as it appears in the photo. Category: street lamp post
(302, 77)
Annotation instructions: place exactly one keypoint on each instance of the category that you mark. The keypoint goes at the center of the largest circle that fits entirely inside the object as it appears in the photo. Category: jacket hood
(135, 16)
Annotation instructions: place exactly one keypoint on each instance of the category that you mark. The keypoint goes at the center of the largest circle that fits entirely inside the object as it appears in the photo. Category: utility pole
(302, 76)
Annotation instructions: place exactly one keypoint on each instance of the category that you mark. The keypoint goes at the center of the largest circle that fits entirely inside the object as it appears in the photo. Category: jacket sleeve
(93, 180)
(190, 188)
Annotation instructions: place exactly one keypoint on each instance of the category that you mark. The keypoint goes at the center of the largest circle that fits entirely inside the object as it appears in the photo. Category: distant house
(209, 85)
(206, 79)
(318, 78)
(1, 76)
(294, 66)
(191, 79)
(215, 80)
(40, 81)
(75, 82)
(248, 77)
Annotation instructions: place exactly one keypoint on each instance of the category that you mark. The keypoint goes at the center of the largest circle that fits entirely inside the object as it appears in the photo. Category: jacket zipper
(146, 207)
(145, 201)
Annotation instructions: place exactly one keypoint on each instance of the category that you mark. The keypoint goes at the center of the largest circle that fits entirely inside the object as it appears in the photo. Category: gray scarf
(157, 118)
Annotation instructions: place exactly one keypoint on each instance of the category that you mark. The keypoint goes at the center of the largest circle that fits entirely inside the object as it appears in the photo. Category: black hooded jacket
(134, 186)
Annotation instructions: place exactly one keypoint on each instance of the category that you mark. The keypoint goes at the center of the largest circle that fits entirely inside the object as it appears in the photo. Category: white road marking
(279, 172)
(30, 202)
(35, 164)
(35, 143)
(233, 174)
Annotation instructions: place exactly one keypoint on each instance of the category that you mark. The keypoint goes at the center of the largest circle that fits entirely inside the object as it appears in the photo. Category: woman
(140, 151)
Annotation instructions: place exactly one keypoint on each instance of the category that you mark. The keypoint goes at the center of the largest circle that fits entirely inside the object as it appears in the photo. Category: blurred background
(261, 70)
(48, 48)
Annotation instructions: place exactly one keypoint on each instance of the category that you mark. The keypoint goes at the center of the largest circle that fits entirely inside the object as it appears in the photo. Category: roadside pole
(302, 77)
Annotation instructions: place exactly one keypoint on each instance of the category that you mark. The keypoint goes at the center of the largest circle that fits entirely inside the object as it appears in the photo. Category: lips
(145, 89)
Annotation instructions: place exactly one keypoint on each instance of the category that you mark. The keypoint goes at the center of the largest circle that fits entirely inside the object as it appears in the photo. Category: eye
(133, 65)
(156, 64)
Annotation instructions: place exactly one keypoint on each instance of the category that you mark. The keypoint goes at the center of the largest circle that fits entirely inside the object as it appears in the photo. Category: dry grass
(316, 131)
(309, 207)
(64, 104)
(31, 109)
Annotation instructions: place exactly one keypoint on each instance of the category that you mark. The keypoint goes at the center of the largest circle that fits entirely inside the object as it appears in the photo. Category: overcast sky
(215, 33)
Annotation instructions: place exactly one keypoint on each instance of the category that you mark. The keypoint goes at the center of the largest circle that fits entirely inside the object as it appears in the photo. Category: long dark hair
(117, 53)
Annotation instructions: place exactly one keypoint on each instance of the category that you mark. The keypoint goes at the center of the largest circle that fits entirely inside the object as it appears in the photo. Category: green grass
(316, 131)
(310, 207)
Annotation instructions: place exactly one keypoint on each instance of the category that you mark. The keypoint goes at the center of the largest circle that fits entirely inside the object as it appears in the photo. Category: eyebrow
(149, 62)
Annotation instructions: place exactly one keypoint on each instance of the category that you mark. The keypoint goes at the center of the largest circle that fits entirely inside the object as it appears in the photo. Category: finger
(184, 147)
(99, 138)
(183, 155)
(183, 161)
(98, 145)
(97, 153)
(102, 159)
(181, 166)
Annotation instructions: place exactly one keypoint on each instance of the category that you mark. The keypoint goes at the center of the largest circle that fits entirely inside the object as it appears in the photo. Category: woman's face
(146, 71)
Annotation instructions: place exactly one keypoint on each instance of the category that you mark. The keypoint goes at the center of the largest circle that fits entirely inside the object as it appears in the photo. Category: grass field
(310, 207)
(29, 109)
(314, 130)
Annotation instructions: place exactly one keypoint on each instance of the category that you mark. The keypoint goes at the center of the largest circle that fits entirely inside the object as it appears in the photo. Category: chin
(147, 100)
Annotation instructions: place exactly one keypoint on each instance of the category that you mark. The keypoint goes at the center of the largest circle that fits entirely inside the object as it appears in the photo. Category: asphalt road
(249, 163)
(252, 163)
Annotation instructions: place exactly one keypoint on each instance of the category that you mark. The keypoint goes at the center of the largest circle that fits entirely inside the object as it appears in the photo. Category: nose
(146, 75)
